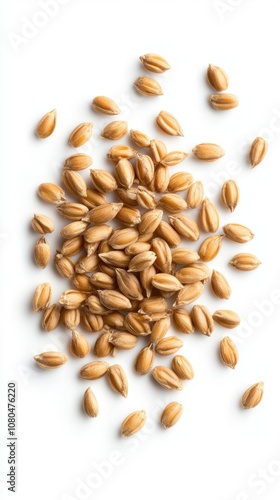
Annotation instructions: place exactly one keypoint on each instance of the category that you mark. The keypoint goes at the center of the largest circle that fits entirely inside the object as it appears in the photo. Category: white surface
(217, 451)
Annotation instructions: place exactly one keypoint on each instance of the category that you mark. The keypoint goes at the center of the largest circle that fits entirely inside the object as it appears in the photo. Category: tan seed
(73, 229)
(144, 168)
(64, 265)
(189, 294)
(80, 135)
(115, 258)
(42, 224)
(114, 300)
(168, 346)
(245, 262)
(253, 396)
(79, 345)
(82, 283)
(228, 352)
(193, 273)
(46, 125)
(160, 329)
(103, 181)
(238, 233)
(167, 378)
(103, 281)
(226, 318)
(145, 360)
(210, 247)
(182, 321)
(185, 226)
(127, 196)
(129, 216)
(148, 86)
(51, 193)
(87, 263)
(124, 173)
(141, 261)
(223, 102)
(105, 105)
(74, 182)
(49, 360)
(93, 198)
(184, 256)
(182, 367)
(208, 152)
(91, 322)
(71, 299)
(94, 370)
(90, 404)
(102, 346)
(73, 246)
(146, 277)
(168, 124)
(129, 285)
(204, 269)
(72, 211)
(145, 198)
(116, 153)
(180, 182)
(209, 217)
(141, 140)
(167, 233)
(172, 203)
(115, 320)
(171, 414)
(202, 320)
(230, 194)
(166, 282)
(152, 305)
(42, 252)
(137, 324)
(123, 340)
(95, 306)
(195, 194)
(114, 131)
(220, 285)
(42, 297)
(161, 179)
(79, 161)
(104, 213)
(96, 234)
(258, 151)
(158, 150)
(217, 78)
(70, 318)
(150, 221)
(118, 380)
(138, 247)
(133, 423)
(154, 63)
(163, 261)
(173, 158)
(51, 318)
(121, 238)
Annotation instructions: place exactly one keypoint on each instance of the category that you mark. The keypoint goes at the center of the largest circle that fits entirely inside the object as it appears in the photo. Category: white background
(217, 451)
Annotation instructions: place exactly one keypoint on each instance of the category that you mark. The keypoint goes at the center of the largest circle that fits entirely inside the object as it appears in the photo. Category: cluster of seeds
(131, 278)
